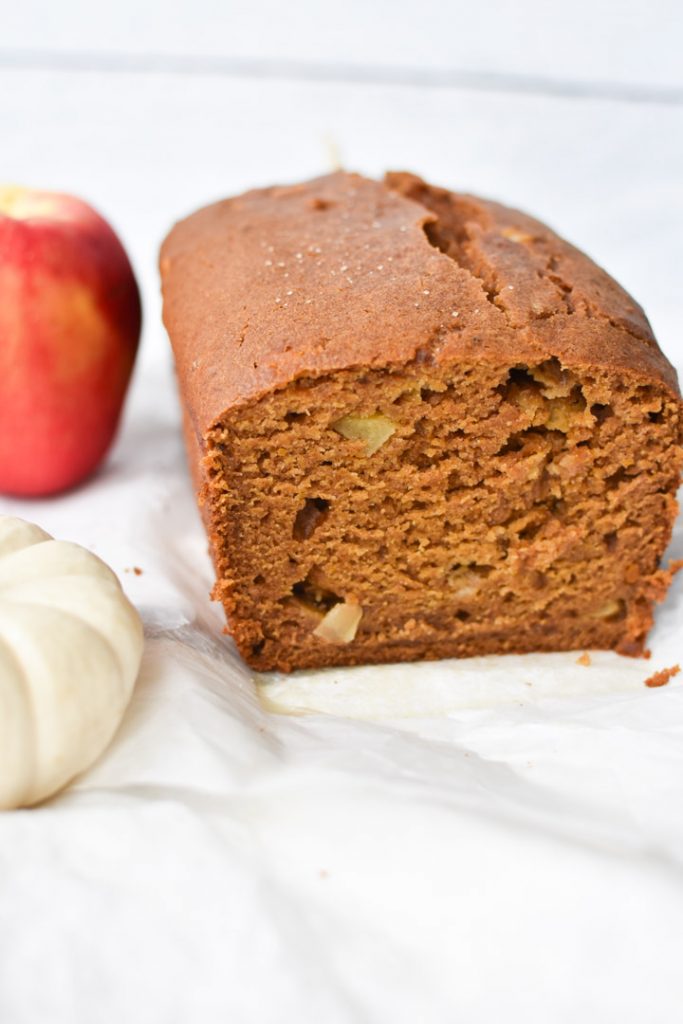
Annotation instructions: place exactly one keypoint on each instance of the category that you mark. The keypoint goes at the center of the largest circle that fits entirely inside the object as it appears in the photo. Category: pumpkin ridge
(28, 699)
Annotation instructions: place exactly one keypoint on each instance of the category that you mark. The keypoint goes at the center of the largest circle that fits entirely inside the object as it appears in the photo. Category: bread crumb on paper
(662, 677)
(584, 659)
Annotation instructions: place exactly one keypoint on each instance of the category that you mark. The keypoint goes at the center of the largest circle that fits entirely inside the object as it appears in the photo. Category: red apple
(69, 330)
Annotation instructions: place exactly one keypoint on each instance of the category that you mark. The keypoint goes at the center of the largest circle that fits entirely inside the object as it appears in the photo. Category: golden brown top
(342, 271)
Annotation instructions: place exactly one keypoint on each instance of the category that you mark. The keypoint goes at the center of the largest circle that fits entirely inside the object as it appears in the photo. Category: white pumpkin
(70, 650)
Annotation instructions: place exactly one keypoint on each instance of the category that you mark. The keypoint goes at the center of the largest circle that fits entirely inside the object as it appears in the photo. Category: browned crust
(338, 272)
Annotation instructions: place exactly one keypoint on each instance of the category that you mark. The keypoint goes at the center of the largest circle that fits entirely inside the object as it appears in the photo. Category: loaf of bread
(421, 426)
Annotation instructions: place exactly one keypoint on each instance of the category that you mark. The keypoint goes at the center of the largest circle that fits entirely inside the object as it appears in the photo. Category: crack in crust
(478, 236)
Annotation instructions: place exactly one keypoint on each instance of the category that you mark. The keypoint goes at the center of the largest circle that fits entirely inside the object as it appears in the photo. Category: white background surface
(454, 843)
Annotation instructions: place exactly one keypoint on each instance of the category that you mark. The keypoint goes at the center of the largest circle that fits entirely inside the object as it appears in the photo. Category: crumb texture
(512, 508)
(446, 432)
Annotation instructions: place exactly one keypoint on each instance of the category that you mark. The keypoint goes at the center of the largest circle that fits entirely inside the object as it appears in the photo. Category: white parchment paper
(495, 840)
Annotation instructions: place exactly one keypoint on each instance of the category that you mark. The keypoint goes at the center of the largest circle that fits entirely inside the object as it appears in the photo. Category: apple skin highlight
(70, 320)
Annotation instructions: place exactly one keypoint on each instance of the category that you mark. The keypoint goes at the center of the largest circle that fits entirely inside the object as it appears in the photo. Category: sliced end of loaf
(443, 511)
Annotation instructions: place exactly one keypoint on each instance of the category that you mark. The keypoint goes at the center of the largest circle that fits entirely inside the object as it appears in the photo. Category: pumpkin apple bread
(421, 426)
